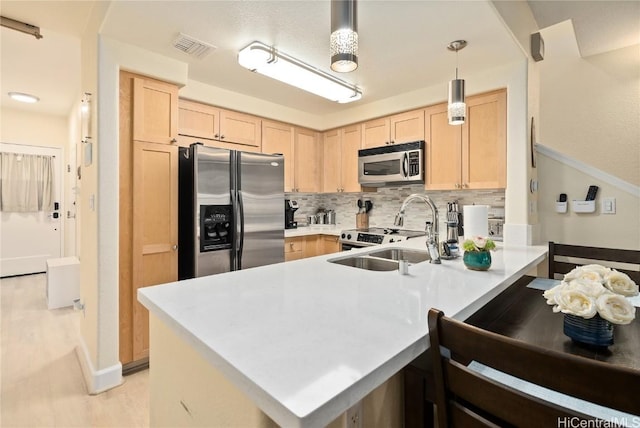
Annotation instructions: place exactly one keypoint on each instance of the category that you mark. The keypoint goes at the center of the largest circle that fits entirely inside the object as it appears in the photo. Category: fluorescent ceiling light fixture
(25, 98)
(273, 63)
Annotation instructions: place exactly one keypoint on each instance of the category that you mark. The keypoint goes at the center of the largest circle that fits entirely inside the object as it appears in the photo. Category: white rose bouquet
(593, 289)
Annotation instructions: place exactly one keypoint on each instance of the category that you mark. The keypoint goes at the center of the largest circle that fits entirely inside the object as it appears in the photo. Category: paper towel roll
(476, 220)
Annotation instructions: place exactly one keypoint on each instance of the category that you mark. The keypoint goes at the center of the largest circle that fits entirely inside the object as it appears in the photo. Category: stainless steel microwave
(391, 165)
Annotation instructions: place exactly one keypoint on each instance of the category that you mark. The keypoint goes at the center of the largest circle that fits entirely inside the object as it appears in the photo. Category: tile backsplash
(386, 203)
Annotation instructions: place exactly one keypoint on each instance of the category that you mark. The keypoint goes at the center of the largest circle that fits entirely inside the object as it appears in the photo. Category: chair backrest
(558, 254)
(467, 398)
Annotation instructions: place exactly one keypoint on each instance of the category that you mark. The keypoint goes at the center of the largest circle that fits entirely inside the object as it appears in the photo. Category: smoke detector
(192, 46)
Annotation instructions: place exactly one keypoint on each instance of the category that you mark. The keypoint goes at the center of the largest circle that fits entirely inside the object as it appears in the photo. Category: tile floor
(40, 377)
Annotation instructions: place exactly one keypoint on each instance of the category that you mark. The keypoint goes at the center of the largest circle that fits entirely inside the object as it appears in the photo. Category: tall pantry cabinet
(148, 202)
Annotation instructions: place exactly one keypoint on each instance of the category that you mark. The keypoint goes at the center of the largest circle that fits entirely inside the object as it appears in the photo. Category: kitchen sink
(368, 263)
(412, 256)
(383, 260)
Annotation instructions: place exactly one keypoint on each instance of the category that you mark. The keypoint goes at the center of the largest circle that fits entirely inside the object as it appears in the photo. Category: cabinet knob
(222, 137)
(457, 185)
(393, 142)
(216, 136)
(174, 248)
(465, 185)
(173, 141)
(386, 142)
(291, 245)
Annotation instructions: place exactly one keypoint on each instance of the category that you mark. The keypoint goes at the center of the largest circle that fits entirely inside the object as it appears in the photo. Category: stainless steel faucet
(433, 235)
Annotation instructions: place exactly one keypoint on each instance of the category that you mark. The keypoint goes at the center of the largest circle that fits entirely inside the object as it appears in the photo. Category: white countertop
(307, 339)
(316, 229)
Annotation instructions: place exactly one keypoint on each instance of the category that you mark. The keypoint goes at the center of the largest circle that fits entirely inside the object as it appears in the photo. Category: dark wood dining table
(522, 313)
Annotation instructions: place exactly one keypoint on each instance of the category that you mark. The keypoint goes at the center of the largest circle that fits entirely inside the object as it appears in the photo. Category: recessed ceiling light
(25, 98)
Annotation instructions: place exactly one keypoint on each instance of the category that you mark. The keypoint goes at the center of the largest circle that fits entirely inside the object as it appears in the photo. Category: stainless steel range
(358, 238)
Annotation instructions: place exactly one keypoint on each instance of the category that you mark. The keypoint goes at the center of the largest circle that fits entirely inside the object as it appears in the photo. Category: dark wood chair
(466, 398)
(558, 253)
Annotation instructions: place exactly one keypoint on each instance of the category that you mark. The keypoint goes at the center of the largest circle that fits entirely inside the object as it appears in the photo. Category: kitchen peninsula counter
(302, 341)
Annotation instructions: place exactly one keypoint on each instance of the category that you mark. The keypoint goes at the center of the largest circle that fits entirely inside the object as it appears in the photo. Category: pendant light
(457, 108)
(344, 36)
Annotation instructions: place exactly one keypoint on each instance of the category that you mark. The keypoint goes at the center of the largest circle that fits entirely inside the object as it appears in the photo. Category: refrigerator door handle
(240, 242)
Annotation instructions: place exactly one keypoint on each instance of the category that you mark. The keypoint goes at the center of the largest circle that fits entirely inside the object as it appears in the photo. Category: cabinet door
(155, 111)
(351, 140)
(306, 153)
(407, 127)
(330, 244)
(198, 120)
(375, 133)
(155, 228)
(240, 128)
(332, 162)
(442, 154)
(278, 138)
(484, 142)
(311, 246)
(294, 248)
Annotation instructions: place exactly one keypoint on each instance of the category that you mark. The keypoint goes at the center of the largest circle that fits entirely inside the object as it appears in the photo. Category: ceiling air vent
(192, 46)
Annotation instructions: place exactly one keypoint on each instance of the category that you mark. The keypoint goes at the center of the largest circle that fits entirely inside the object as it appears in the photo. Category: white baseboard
(11, 266)
(101, 380)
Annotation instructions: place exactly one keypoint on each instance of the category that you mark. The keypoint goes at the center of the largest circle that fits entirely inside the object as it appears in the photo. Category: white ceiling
(402, 43)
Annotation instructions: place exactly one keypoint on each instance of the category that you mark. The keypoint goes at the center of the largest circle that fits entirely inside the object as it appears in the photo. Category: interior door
(29, 239)
(155, 228)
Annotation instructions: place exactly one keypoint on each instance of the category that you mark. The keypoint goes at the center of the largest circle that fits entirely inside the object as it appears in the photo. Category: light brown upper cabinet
(307, 161)
(212, 124)
(399, 128)
(279, 138)
(340, 159)
(155, 111)
(471, 156)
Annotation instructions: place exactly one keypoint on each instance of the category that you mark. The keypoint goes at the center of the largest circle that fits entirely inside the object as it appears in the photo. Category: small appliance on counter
(454, 222)
(290, 207)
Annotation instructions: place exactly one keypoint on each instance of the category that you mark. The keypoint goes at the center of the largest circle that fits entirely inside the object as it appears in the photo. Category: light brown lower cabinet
(330, 244)
(301, 247)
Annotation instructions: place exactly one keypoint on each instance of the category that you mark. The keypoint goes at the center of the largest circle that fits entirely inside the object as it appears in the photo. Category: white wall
(37, 129)
(619, 230)
(100, 182)
(590, 113)
(591, 105)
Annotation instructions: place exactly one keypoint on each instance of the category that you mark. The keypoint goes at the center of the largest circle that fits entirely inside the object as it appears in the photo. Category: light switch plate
(608, 206)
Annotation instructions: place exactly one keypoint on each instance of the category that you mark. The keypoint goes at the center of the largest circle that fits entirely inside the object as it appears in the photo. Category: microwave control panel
(414, 163)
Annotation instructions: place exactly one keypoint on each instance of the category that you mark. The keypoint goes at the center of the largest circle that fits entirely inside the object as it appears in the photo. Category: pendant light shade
(344, 36)
(457, 108)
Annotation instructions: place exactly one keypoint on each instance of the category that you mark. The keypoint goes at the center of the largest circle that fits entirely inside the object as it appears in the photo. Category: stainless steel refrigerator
(230, 214)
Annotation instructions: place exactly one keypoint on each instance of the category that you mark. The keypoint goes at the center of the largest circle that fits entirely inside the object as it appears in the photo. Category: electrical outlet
(608, 206)
(354, 416)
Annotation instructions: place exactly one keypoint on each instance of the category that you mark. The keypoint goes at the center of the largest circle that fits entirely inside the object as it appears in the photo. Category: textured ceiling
(402, 43)
(599, 26)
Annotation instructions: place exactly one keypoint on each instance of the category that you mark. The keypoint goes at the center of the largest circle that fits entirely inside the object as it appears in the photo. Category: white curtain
(26, 182)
